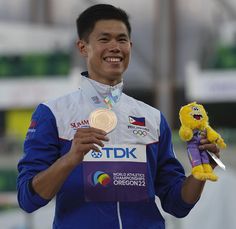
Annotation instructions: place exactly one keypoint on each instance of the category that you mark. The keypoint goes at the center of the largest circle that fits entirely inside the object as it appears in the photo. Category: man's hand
(86, 139)
(207, 145)
(192, 188)
(47, 183)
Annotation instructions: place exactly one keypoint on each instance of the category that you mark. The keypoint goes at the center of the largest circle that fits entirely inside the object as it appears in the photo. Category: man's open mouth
(113, 59)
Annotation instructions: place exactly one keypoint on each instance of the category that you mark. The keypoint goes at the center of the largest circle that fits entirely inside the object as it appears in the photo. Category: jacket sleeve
(41, 149)
(170, 176)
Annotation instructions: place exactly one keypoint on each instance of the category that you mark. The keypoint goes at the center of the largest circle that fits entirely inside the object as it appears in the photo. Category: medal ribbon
(112, 98)
(109, 101)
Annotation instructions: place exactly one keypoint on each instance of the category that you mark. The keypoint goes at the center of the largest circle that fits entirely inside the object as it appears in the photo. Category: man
(103, 154)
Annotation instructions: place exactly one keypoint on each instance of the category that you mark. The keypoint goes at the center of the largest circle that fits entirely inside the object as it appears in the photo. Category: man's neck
(106, 81)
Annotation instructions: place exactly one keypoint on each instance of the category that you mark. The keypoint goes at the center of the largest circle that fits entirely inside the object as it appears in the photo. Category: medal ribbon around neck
(112, 98)
(102, 117)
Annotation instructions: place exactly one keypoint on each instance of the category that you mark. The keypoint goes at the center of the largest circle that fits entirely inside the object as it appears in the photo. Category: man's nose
(114, 46)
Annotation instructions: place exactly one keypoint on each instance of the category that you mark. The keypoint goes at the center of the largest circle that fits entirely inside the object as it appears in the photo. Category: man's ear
(131, 44)
(82, 46)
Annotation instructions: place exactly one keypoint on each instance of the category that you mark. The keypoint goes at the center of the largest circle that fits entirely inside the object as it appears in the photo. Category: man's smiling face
(107, 51)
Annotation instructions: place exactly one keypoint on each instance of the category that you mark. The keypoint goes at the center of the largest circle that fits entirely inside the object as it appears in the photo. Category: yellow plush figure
(194, 121)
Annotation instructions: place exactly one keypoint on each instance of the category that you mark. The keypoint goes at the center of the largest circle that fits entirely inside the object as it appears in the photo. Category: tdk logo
(115, 153)
(95, 154)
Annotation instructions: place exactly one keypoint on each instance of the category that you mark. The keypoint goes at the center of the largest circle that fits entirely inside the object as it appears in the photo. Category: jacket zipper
(118, 214)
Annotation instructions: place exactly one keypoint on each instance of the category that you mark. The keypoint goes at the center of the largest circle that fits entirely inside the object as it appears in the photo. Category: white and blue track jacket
(114, 188)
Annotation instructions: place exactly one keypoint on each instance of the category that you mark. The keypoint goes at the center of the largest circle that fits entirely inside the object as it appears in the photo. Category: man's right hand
(47, 183)
(86, 139)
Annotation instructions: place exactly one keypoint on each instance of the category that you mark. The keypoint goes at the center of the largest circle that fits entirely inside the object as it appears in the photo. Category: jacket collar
(103, 89)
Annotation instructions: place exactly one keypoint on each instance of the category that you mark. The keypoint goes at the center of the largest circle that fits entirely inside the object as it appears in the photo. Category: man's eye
(123, 40)
(103, 39)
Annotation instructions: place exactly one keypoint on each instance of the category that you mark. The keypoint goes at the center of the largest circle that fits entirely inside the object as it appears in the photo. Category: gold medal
(103, 118)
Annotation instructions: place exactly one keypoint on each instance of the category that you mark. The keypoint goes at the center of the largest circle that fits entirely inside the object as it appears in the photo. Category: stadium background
(184, 50)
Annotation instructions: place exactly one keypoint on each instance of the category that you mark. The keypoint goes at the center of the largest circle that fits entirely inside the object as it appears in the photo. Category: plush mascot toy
(194, 121)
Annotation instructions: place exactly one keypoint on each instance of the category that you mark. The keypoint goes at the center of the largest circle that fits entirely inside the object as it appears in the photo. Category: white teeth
(113, 59)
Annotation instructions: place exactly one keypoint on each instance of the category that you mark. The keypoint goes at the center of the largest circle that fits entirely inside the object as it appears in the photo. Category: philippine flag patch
(137, 121)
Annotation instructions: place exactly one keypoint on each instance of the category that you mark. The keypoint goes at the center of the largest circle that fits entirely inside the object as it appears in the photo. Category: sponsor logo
(129, 179)
(137, 121)
(118, 153)
(95, 154)
(81, 124)
(99, 178)
(115, 153)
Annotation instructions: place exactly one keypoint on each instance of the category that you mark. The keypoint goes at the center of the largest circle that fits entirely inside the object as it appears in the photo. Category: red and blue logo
(32, 129)
(33, 124)
(137, 121)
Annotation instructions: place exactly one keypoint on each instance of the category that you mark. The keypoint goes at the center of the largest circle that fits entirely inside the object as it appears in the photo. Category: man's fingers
(88, 140)
(91, 140)
(88, 132)
(203, 134)
(91, 147)
(210, 147)
(84, 149)
(95, 135)
(204, 141)
(95, 148)
(91, 130)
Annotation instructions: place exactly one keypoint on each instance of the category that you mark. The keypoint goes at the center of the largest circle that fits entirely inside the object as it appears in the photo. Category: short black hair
(87, 19)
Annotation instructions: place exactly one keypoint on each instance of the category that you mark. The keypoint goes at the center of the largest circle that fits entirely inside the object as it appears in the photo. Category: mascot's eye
(195, 108)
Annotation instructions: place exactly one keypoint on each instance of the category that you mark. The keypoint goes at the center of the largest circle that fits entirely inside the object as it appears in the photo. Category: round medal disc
(103, 118)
